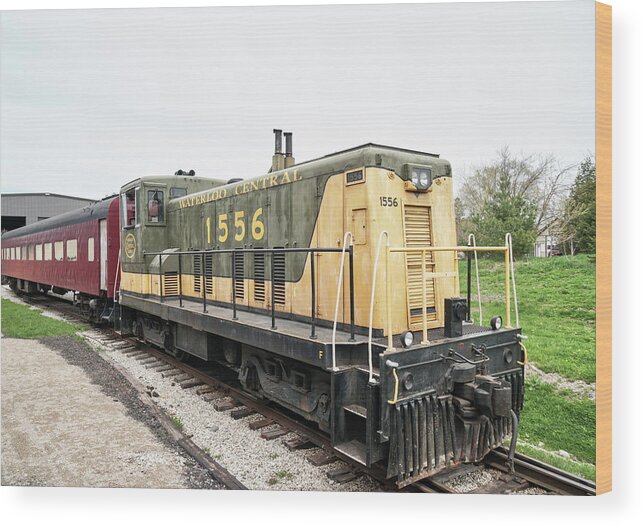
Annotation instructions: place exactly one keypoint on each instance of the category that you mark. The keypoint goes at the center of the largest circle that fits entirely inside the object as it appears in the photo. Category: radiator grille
(239, 284)
(417, 233)
(260, 277)
(279, 261)
(171, 283)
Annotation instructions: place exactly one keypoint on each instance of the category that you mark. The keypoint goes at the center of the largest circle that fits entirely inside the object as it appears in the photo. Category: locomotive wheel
(170, 349)
(232, 353)
(179, 355)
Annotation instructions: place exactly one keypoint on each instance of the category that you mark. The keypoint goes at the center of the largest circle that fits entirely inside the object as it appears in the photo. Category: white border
(152, 508)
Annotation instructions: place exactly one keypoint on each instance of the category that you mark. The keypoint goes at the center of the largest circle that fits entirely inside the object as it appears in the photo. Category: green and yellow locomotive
(332, 288)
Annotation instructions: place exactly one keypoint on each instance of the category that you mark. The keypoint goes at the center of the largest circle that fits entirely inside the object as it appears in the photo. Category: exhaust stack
(278, 159)
(289, 160)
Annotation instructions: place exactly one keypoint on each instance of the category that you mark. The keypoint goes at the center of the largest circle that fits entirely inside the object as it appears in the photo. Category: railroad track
(492, 476)
(530, 476)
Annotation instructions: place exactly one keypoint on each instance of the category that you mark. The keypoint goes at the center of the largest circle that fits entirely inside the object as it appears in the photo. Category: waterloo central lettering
(240, 188)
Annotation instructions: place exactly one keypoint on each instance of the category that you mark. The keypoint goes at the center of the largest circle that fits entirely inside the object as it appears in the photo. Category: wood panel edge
(603, 248)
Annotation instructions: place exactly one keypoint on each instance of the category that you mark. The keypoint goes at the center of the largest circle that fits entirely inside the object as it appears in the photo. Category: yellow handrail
(397, 385)
(429, 249)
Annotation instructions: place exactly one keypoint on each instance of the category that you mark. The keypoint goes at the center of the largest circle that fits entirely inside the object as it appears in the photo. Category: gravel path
(257, 463)
(580, 388)
(69, 419)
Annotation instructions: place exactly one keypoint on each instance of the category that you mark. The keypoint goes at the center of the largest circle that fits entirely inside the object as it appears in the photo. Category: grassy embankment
(22, 322)
(556, 300)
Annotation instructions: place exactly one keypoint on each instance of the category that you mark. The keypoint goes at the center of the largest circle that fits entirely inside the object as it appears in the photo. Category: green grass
(557, 308)
(177, 422)
(278, 476)
(585, 470)
(559, 420)
(22, 322)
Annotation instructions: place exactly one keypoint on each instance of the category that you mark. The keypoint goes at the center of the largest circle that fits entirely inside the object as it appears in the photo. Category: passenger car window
(48, 251)
(39, 251)
(72, 250)
(90, 249)
(155, 206)
(58, 251)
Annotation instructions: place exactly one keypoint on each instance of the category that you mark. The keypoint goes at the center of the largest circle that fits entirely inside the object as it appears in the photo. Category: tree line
(529, 196)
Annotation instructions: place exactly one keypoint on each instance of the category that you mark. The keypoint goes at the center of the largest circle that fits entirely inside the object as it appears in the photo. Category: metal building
(22, 209)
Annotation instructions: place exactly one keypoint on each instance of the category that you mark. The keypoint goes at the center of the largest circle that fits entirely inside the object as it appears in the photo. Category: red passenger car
(76, 251)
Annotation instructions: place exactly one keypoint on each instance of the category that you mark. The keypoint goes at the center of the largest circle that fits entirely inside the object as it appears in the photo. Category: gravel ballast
(259, 464)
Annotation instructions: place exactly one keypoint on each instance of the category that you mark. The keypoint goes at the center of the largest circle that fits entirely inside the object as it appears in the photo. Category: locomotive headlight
(496, 323)
(423, 179)
(407, 339)
(420, 178)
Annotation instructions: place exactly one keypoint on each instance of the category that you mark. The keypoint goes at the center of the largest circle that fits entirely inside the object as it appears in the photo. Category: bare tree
(539, 180)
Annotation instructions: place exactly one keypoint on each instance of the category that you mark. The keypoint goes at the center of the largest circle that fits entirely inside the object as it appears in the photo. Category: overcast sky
(92, 99)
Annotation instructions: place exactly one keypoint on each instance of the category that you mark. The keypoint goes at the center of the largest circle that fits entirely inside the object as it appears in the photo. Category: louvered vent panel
(197, 273)
(417, 233)
(279, 261)
(208, 274)
(171, 283)
(260, 277)
(239, 286)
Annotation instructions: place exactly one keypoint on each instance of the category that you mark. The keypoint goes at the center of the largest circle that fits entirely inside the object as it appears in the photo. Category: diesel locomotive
(331, 288)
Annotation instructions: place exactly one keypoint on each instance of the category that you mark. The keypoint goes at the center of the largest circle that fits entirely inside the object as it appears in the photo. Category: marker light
(496, 322)
(407, 339)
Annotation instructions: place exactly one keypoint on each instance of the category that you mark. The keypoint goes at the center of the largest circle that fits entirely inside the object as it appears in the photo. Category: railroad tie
(154, 364)
(171, 373)
(342, 474)
(190, 383)
(260, 423)
(183, 377)
(298, 443)
(224, 405)
(149, 360)
(269, 435)
(211, 396)
(321, 458)
(204, 390)
(141, 357)
(502, 485)
(242, 412)
(164, 367)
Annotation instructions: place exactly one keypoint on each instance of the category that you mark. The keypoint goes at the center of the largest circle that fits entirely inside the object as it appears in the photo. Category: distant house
(20, 209)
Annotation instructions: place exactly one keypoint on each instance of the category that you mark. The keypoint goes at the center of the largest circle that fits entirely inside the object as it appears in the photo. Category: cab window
(129, 208)
(155, 210)
(178, 192)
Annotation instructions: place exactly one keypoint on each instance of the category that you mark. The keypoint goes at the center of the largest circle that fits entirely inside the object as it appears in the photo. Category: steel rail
(542, 474)
(530, 469)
